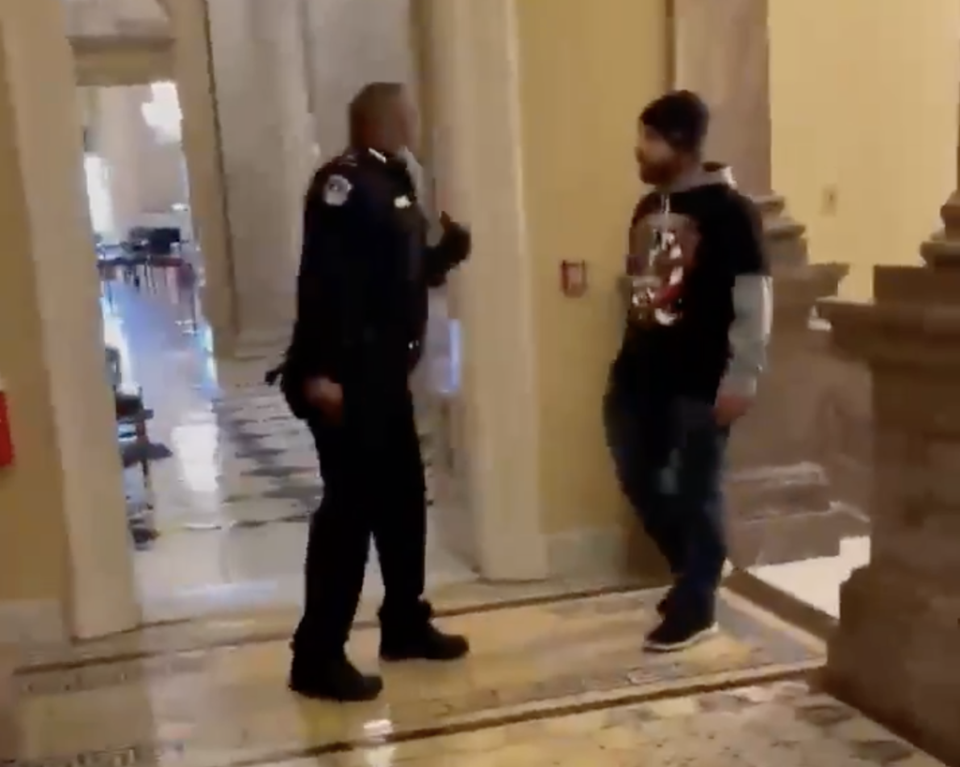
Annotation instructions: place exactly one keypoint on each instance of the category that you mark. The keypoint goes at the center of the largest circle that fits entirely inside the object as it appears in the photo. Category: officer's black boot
(335, 679)
(410, 635)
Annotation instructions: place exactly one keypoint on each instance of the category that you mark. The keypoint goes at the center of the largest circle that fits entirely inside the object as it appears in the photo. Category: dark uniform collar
(383, 157)
(374, 156)
(393, 164)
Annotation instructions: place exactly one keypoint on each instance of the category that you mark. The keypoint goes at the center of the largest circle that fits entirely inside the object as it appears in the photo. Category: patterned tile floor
(557, 676)
(233, 501)
(555, 680)
(781, 724)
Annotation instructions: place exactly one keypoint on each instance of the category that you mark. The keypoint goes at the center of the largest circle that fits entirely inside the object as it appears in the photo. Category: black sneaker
(426, 643)
(664, 604)
(678, 632)
(337, 680)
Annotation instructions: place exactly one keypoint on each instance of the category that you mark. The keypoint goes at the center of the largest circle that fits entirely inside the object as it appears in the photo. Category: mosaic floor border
(771, 644)
(726, 697)
(201, 634)
(227, 707)
(787, 723)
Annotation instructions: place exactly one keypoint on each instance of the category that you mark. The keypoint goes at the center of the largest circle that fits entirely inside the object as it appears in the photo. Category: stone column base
(261, 344)
(896, 657)
(787, 516)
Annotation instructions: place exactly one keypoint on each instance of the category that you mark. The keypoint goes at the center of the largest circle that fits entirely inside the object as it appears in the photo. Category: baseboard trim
(261, 344)
(784, 605)
(615, 551)
(29, 623)
(604, 551)
(586, 551)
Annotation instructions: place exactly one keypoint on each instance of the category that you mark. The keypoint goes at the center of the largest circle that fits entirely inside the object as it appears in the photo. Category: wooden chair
(133, 418)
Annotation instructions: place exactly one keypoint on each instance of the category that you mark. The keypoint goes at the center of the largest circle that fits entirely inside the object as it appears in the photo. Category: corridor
(557, 678)
(233, 479)
(529, 133)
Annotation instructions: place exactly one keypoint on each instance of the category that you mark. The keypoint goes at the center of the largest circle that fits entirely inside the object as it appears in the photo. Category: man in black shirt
(361, 318)
(695, 345)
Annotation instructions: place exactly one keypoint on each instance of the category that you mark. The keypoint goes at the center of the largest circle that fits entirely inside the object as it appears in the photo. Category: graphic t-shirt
(698, 240)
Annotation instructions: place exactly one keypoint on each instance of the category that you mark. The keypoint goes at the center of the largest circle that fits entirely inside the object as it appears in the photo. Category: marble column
(204, 160)
(352, 43)
(492, 515)
(65, 563)
(778, 493)
(144, 170)
(896, 651)
(119, 138)
(267, 152)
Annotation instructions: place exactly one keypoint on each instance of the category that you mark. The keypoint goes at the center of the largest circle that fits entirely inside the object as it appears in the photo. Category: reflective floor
(555, 679)
(232, 499)
(557, 675)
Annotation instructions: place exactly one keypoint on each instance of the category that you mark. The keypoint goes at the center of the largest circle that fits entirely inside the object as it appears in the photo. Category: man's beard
(655, 174)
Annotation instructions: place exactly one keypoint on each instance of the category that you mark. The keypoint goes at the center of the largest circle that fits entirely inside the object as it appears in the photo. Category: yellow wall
(864, 101)
(586, 71)
(64, 551)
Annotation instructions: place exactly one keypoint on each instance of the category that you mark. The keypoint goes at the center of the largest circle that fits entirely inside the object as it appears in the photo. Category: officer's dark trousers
(669, 456)
(373, 489)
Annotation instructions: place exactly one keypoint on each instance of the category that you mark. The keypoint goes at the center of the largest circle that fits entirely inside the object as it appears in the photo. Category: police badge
(336, 191)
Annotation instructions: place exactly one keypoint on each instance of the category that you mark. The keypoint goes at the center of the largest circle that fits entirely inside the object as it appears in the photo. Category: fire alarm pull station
(573, 278)
(6, 436)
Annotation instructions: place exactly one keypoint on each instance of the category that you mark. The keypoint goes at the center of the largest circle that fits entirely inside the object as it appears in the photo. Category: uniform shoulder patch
(336, 191)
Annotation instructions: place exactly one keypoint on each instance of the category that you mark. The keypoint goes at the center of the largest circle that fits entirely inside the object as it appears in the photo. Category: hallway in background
(233, 496)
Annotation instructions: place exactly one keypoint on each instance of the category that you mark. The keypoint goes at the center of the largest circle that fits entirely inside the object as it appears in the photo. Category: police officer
(361, 318)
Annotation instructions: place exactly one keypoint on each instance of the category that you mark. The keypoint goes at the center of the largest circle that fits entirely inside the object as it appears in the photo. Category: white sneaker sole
(700, 636)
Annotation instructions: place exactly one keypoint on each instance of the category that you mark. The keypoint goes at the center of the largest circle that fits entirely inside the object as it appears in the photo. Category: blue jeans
(669, 454)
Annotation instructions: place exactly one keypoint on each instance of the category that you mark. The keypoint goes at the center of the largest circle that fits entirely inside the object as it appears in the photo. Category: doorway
(227, 497)
(234, 497)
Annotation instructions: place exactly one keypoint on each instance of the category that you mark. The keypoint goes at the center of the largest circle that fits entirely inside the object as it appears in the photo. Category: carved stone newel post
(896, 653)
(778, 494)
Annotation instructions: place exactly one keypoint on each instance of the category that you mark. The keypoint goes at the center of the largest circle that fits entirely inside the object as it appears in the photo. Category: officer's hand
(449, 225)
(326, 395)
(457, 240)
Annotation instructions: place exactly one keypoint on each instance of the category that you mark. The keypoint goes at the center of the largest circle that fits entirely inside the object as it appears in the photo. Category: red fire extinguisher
(6, 435)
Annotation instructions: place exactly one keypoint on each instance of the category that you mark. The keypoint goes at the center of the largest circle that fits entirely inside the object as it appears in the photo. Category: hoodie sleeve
(749, 333)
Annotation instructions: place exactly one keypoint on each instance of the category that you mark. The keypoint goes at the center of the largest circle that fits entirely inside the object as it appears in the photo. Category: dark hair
(680, 117)
(369, 105)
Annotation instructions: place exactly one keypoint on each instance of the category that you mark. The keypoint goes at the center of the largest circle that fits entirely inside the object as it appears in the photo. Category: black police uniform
(361, 318)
